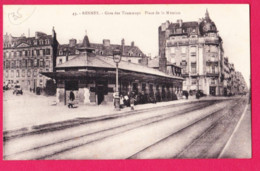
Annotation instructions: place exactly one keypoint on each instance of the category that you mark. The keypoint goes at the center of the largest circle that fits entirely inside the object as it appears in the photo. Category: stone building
(197, 48)
(226, 77)
(130, 53)
(91, 77)
(26, 57)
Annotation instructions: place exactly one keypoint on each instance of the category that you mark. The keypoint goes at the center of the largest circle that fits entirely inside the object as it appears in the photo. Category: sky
(138, 23)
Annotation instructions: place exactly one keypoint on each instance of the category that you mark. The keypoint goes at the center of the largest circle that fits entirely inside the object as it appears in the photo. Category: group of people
(128, 100)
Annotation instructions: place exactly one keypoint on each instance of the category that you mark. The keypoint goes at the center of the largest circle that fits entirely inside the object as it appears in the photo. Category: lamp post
(117, 59)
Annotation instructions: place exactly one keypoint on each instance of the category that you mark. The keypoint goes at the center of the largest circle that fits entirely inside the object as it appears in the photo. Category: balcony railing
(212, 74)
(211, 41)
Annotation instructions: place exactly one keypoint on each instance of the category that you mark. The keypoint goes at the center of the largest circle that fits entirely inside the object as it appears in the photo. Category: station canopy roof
(100, 62)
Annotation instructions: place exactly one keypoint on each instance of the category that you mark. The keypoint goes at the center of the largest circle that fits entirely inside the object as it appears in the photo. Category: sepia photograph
(92, 82)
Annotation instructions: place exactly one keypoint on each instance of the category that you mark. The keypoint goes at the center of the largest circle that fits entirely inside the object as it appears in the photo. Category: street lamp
(117, 59)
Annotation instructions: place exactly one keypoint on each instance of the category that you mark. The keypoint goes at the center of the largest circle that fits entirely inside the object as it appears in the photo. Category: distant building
(26, 57)
(130, 53)
(197, 48)
(226, 77)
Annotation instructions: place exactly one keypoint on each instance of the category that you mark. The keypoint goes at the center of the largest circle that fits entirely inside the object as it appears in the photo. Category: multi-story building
(226, 77)
(130, 53)
(26, 57)
(241, 84)
(197, 48)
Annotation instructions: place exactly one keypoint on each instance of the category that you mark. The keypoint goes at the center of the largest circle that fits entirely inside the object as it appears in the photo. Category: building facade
(26, 57)
(130, 53)
(197, 48)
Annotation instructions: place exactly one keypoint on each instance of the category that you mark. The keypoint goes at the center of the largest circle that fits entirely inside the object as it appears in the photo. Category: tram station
(92, 78)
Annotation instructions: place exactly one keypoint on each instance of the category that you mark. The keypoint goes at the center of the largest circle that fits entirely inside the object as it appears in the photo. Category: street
(198, 129)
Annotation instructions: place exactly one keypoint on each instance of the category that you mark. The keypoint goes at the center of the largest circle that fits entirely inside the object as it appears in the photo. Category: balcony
(211, 40)
(212, 74)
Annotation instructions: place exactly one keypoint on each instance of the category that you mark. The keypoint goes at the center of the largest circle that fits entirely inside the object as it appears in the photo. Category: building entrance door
(100, 94)
(212, 90)
(71, 86)
(101, 90)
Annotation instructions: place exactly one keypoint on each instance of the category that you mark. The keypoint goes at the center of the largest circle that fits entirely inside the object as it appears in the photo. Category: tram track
(51, 148)
(126, 144)
(188, 142)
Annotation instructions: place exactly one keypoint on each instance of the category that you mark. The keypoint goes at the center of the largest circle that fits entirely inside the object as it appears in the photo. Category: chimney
(180, 22)
(72, 42)
(123, 46)
(162, 62)
(132, 43)
(106, 42)
(67, 56)
(144, 61)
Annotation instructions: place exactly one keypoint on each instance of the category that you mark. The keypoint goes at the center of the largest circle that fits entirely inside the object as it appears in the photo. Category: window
(23, 73)
(17, 64)
(35, 63)
(47, 64)
(193, 81)
(15, 54)
(43, 51)
(35, 42)
(47, 70)
(193, 68)
(40, 72)
(23, 63)
(47, 41)
(29, 62)
(29, 73)
(41, 62)
(33, 53)
(26, 53)
(60, 61)
(193, 49)
(38, 52)
(6, 73)
(12, 73)
(17, 73)
(7, 64)
(13, 64)
(35, 73)
(48, 51)
(21, 53)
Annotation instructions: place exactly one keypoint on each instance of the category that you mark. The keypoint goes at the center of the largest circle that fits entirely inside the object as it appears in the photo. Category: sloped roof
(105, 50)
(154, 63)
(107, 62)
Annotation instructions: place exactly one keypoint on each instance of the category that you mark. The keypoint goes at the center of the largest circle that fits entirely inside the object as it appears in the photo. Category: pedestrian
(126, 100)
(71, 99)
(132, 101)
(121, 101)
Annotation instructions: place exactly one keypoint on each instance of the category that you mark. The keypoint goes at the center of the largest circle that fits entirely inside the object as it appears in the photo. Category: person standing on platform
(71, 99)
(132, 100)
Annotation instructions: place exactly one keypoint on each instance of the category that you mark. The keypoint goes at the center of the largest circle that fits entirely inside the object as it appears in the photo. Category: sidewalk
(28, 110)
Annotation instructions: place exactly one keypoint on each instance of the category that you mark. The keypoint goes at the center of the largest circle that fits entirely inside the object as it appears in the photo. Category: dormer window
(47, 41)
